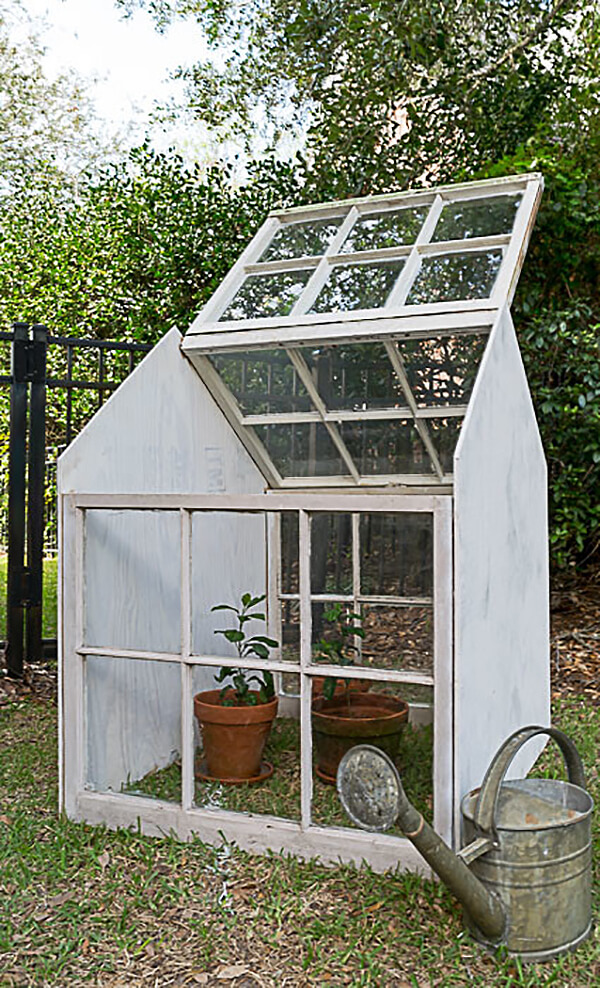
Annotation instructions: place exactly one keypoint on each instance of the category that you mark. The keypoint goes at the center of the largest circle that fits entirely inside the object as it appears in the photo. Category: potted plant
(343, 715)
(235, 720)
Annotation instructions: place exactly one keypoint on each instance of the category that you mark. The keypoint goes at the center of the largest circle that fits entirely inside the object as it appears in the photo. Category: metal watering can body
(524, 876)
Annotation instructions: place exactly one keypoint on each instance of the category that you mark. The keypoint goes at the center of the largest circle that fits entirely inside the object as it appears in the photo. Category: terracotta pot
(358, 718)
(234, 737)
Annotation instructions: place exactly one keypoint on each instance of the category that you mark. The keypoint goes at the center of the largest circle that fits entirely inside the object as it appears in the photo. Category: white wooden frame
(243, 423)
(253, 832)
(513, 248)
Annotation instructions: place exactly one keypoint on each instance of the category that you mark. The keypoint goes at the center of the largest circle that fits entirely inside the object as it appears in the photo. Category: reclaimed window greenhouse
(345, 436)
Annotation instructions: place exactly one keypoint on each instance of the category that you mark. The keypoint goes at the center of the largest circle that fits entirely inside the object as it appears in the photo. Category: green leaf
(232, 635)
(261, 650)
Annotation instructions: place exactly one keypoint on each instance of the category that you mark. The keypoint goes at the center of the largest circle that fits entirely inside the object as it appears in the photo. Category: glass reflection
(266, 295)
(303, 450)
(389, 229)
(454, 277)
(386, 447)
(357, 286)
(354, 376)
(301, 239)
(442, 370)
(444, 434)
(477, 218)
(262, 381)
(397, 638)
(396, 554)
(331, 554)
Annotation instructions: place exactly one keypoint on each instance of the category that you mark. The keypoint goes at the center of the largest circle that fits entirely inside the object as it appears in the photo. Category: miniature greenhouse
(345, 433)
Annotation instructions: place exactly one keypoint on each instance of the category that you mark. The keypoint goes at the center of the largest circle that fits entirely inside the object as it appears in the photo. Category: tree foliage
(398, 93)
(43, 122)
(141, 247)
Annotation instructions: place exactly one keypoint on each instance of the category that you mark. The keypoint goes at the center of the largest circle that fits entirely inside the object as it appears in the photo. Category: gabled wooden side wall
(502, 669)
(161, 432)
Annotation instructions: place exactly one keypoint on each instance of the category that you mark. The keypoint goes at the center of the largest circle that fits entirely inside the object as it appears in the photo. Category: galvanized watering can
(524, 876)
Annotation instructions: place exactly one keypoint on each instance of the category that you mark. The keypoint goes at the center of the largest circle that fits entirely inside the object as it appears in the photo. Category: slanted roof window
(344, 345)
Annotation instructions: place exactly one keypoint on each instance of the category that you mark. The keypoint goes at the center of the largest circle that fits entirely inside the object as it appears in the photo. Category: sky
(125, 62)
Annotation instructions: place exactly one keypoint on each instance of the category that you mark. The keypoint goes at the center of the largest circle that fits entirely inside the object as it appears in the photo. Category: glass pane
(442, 370)
(354, 376)
(245, 768)
(301, 239)
(385, 230)
(290, 565)
(357, 286)
(304, 450)
(229, 558)
(393, 637)
(263, 295)
(132, 579)
(383, 723)
(331, 554)
(133, 727)
(396, 554)
(290, 631)
(385, 447)
(262, 381)
(332, 637)
(397, 638)
(444, 434)
(454, 277)
(477, 218)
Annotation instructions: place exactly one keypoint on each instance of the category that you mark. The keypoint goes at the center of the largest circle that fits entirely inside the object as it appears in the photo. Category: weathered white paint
(132, 577)
(500, 565)
(160, 431)
(333, 845)
(229, 558)
(133, 717)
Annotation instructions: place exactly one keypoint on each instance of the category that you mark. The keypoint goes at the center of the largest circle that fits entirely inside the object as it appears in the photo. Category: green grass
(49, 614)
(280, 795)
(81, 905)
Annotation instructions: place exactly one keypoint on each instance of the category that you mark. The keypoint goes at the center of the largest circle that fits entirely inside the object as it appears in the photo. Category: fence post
(16, 590)
(35, 495)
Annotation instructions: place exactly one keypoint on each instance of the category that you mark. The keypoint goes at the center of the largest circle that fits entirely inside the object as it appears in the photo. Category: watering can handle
(485, 809)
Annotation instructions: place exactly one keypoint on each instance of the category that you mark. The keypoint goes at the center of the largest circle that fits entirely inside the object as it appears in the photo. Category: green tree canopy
(43, 123)
(395, 93)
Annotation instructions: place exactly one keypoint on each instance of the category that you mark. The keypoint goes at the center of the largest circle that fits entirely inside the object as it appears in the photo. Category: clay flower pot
(356, 718)
(233, 738)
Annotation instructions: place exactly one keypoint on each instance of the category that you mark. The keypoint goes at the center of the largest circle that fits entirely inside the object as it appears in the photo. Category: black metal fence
(53, 387)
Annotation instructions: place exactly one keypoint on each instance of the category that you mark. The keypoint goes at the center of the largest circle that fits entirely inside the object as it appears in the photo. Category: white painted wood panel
(334, 845)
(229, 558)
(160, 431)
(132, 580)
(133, 717)
(501, 566)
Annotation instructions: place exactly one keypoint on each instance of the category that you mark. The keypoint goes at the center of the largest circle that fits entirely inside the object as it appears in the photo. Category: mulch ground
(574, 647)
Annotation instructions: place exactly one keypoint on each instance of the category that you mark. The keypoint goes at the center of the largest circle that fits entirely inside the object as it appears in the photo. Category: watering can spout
(484, 908)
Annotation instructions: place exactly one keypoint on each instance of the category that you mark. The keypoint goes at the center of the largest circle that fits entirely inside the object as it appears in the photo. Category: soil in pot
(356, 718)
(233, 737)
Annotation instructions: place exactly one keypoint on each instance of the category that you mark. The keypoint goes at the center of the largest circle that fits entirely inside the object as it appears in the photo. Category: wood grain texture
(133, 716)
(502, 671)
(159, 432)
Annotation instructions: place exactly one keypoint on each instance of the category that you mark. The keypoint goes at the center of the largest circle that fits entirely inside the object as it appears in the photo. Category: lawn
(82, 905)
(50, 588)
